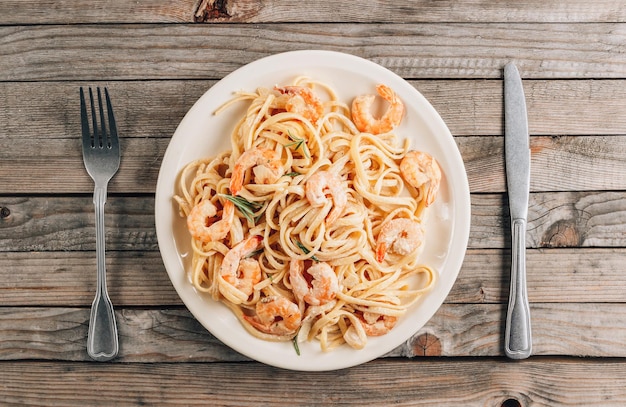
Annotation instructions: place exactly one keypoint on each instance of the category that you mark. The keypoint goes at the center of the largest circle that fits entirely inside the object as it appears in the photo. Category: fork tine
(103, 137)
(84, 121)
(94, 121)
(112, 125)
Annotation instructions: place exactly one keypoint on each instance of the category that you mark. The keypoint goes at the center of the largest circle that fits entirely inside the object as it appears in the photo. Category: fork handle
(102, 341)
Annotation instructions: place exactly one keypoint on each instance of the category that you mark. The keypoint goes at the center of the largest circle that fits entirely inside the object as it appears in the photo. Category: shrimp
(400, 235)
(418, 169)
(248, 274)
(266, 164)
(322, 288)
(326, 182)
(377, 324)
(303, 101)
(362, 115)
(242, 273)
(276, 316)
(200, 215)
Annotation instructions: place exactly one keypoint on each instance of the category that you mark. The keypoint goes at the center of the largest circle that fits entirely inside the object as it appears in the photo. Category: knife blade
(518, 336)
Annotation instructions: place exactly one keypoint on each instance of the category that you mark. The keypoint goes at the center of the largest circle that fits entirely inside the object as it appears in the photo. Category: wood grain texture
(174, 335)
(284, 11)
(568, 219)
(127, 52)
(158, 57)
(539, 382)
(567, 163)
(39, 132)
(139, 279)
(469, 107)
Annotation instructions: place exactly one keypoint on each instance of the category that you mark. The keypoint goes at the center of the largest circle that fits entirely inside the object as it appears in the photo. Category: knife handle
(518, 338)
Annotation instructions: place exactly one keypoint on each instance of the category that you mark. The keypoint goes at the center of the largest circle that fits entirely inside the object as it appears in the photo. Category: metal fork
(101, 154)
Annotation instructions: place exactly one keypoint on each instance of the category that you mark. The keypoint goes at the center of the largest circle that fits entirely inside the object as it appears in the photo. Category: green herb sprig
(295, 343)
(246, 207)
(306, 251)
(298, 143)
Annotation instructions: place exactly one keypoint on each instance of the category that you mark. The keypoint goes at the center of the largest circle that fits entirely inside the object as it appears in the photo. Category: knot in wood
(563, 233)
(210, 10)
(511, 403)
(4, 212)
(426, 345)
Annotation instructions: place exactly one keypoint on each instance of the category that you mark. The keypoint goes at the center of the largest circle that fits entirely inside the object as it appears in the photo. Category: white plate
(202, 134)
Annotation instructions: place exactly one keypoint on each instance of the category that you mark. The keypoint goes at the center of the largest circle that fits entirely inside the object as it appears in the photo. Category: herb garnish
(298, 143)
(295, 343)
(306, 251)
(246, 207)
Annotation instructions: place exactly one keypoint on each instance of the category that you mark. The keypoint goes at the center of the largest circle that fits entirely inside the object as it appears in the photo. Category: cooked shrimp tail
(401, 236)
(302, 100)
(276, 316)
(324, 284)
(422, 171)
(376, 324)
(265, 164)
(238, 272)
(202, 224)
(325, 182)
(362, 114)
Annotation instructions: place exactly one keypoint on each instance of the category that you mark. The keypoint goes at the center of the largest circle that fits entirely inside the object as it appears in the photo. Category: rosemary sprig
(306, 251)
(246, 207)
(298, 143)
(295, 343)
(255, 253)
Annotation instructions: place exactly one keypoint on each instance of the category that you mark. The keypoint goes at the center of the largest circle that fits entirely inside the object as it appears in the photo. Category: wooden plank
(469, 107)
(56, 166)
(58, 223)
(127, 52)
(541, 382)
(583, 275)
(285, 11)
(565, 163)
(568, 163)
(139, 279)
(67, 223)
(134, 278)
(567, 219)
(173, 335)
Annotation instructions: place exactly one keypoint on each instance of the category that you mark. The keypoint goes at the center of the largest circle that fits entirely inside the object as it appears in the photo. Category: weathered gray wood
(469, 107)
(558, 164)
(68, 223)
(567, 219)
(109, 52)
(255, 11)
(138, 278)
(541, 382)
(134, 278)
(159, 56)
(456, 330)
(56, 166)
(583, 275)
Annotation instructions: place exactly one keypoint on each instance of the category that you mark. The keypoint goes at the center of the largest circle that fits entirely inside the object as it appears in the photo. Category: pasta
(310, 226)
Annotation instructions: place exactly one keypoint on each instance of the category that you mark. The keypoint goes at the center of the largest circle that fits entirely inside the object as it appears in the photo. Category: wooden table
(157, 57)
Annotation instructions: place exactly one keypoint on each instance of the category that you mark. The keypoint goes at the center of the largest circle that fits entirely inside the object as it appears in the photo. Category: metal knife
(518, 337)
